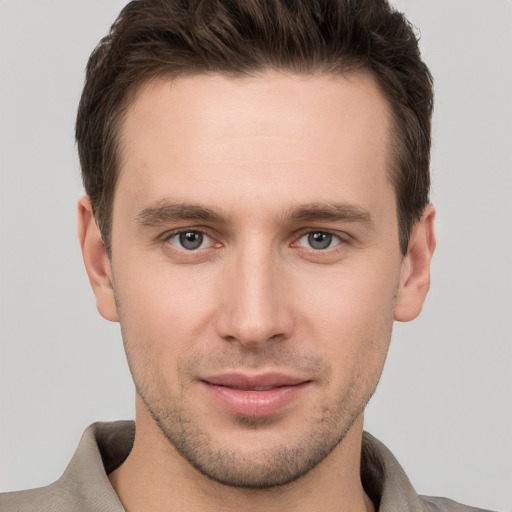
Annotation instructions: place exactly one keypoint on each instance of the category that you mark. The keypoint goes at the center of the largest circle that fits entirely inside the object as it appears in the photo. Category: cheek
(349, 299)
(164, 315)
(350, 315)
(164, 296)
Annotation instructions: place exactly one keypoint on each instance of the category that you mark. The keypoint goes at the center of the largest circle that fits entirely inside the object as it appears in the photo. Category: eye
(319, 240)
(190, 240)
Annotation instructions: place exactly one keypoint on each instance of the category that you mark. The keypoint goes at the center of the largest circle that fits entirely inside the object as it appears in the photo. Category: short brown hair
(154, 38)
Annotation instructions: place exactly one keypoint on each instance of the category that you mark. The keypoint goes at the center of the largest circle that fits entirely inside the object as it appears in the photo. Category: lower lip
(254, 403)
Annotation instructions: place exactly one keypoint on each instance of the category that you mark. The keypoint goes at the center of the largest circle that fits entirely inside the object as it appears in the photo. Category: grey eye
(189, 240)
(319, 240)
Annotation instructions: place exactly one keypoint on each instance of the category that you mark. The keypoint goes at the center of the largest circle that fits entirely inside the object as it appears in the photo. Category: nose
(255, 303)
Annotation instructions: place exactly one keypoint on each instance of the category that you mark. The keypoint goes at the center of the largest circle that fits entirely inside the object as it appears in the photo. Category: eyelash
(331, 236)
(342, 239)
(179, 232)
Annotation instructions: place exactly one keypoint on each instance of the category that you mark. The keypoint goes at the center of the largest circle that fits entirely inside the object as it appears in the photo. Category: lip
(254, 395)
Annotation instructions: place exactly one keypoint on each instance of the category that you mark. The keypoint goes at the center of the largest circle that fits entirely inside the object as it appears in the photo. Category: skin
(269, 160)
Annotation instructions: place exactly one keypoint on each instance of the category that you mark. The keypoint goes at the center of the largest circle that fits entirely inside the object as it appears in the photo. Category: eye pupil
(319, 240)
(191, 240)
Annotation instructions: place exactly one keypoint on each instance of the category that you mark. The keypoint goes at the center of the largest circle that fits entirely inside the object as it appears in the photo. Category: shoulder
(57, 498)
(84, 485)
(387, 484)
(433, 504)
(50, 498)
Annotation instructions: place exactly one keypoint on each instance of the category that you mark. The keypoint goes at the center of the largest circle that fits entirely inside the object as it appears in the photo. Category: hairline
(131, 94)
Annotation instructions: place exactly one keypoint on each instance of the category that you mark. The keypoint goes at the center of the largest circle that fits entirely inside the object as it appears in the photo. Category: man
(257, 217)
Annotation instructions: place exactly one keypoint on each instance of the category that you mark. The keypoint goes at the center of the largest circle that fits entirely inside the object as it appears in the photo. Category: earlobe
(415, 276)
(96, 261)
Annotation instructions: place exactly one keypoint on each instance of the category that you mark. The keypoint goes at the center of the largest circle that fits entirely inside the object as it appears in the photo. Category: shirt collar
(384, 480)
(105, 446)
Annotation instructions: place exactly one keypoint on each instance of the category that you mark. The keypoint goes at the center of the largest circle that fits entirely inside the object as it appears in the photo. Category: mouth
(254, 395)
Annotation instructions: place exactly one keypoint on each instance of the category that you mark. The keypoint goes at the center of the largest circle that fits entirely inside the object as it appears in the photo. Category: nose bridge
(254, 305)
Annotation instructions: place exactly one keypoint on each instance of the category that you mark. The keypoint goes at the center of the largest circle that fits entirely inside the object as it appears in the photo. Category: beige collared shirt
(85, 487)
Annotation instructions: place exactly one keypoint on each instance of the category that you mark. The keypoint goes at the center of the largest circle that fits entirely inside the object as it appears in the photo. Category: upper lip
(261, 382)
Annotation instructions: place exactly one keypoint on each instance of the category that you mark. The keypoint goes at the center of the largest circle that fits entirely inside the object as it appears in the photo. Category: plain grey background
(444, 405)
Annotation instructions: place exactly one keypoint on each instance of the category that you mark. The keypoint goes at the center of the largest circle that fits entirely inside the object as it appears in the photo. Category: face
(255, 265)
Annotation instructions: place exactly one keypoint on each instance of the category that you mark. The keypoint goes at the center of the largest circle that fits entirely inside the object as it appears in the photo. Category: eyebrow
(167, 211)
(331, 212)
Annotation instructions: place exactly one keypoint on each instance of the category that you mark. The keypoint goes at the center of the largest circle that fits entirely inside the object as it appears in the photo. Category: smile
(254, 396)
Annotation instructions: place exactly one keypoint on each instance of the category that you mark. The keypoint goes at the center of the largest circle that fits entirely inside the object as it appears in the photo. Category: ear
(415, 275)
(96, 261)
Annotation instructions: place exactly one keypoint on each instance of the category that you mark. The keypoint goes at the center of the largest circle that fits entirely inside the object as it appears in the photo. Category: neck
(156, 478)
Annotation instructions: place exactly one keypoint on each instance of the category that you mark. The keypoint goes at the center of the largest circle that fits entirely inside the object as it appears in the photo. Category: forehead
(223, 138)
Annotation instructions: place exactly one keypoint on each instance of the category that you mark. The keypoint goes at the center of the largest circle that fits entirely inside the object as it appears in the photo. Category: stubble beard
(267, 467)
(264, 468)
